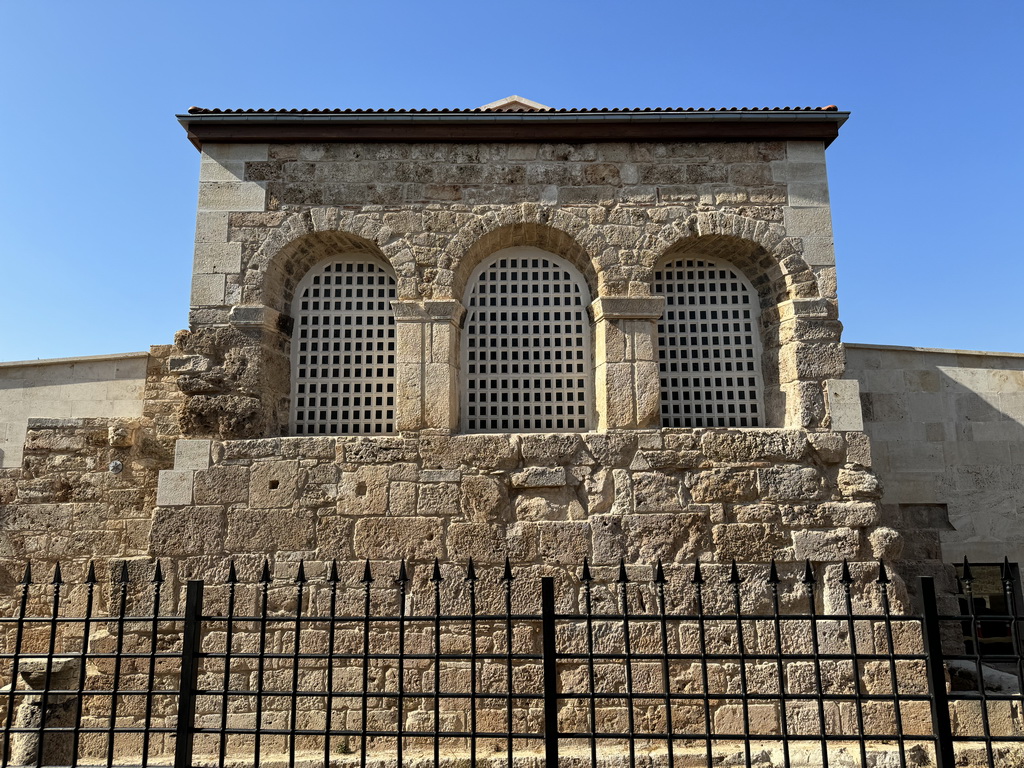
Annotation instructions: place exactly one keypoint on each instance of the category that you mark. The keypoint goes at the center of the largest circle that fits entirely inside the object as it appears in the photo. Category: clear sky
(98, 192)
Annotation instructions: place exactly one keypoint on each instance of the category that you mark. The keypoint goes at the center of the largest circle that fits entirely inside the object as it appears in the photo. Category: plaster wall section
(947, 436)
(82, 387)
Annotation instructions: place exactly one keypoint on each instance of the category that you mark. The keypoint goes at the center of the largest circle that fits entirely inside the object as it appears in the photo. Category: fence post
(547, 611)
(189, 674)
(936, 670)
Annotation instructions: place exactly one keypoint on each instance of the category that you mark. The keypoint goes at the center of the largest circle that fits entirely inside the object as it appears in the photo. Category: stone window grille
(709, 346)
(343, 349)
(526, 348)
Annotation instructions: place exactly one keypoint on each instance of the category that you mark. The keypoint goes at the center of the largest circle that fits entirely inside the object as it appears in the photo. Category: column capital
(625, 308)
(429, 311)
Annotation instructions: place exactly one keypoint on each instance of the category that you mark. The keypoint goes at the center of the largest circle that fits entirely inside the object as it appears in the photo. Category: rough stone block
(232, 196)
(223, 484)
(788, 483)
(253, 530)
(174, 488)
(749, 542)
(392, 538)
(842, 397)
(192, 454)
(826, 546)
(189, 531)
(273, 484)
(804, 222)
(722, 485)
(484, 498)
(541, 477)
(657, 492)
(858, 484)
(208, 290)
(215, 258)
(754, 445)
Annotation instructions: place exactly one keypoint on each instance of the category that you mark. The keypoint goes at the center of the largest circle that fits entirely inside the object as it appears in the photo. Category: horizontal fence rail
(678, 665)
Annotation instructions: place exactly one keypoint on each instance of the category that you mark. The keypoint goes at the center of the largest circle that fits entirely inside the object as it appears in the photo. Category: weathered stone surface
(273, 484)
(174, 488)
(222, 484)
(826, 545)
(754, 445)
(790, 483)
(850, 514)
(550, 450)
(858, 484)
(251, 530)
(729, 485)
(364, 491)
(392, 538)
(189, 531)
(657, 492)
(541, 477)
(484, 498)
(750, 542)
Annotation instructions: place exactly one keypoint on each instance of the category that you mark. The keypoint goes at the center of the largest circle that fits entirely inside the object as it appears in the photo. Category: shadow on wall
(947, 433)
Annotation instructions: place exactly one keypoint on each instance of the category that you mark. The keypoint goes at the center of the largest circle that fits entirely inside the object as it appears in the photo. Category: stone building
(511, 331)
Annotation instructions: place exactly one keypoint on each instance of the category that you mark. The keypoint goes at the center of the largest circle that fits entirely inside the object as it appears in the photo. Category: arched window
(526, 351)
(709, 345)
(343, 349)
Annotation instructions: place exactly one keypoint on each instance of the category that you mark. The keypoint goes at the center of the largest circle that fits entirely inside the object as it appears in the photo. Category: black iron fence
(678, 665)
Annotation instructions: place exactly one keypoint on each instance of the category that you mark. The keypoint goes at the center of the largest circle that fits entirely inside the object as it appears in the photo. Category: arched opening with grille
(526, 347)
(343, 349)
(709, 345)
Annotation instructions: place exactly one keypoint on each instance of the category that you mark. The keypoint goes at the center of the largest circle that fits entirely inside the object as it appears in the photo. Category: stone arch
(760, 249)
(303, 239)
(478, 241)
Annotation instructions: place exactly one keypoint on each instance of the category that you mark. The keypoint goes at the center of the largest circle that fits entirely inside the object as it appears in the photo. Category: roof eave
(733, 125)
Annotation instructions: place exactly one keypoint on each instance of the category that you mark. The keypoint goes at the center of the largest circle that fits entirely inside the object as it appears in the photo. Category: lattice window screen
(709, 346)
(343, 350)
(526, 357)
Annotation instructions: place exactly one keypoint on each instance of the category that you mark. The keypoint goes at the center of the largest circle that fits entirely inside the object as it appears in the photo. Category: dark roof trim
(471, 125)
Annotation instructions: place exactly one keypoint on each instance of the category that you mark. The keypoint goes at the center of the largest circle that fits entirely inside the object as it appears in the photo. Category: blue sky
(99, 184)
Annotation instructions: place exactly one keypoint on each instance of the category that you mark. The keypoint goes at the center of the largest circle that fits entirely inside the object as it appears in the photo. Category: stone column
(427, 365)
(627, 385)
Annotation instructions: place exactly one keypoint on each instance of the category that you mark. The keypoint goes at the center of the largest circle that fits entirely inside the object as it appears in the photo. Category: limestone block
(379, 450)
(189, 531)
(805, 151)
(728, 485)
(192, 454)
(550, 450)
(858, 484)
(392, 538)
(886, 544)
(438, 499)
(484, 452)
(749, 542)
(850, 514)
(830, 545)
(670, 538)
(440, 476)
(484, 498)
(273, 484)
(487, 543)
(808, 194)
(216, 152)
(754, 445)
(804, 222)
(364, 491)
(232, 196)
(829, 446)
(222, 484)
(212, 227)
(254, 530)
(214, 258)
(189, 364)
(657, 492)
(788, 483)
(562, 542)
(224, 170)
(842, 398)
(208, 290)
(174, 488)
(541, 477)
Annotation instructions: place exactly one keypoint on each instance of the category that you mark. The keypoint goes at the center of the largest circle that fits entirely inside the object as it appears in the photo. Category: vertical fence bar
(228, 643)
(506, 579)
(90, 596)
(972, 612)
(588, 601)
(154, 626)
(261, 664)
(780, 671)
(547, 610)
(331, 642)
(936, 671)
(666, 678)
(702, 651)
(812, 609)
(741, 649)
(851, 626)
(48, 675)
(293, 702)
(628, 659)
(122, 610)
(890, 647)
(403, 585)
(471, 580)
(436, 580)
(189, 674)
(19, 636)
(367, 581)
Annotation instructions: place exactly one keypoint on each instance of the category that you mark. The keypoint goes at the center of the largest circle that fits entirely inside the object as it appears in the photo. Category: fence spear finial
(470, 571)
(57, 579)
(332, 576)
(968, 575)
(125, 577)
(659, 573)
(158, 574)
(883, 574)
(27, 578)
(300, 575)
(367, 574)
(1005, 572)
(586, 576)
(734, 575)
(773, 573)
(507, 575)
(90, 576)
(232, 573)
(809, 572)
(403, 576)
(846, 577)
(623, 576)
(265, 576)
(698, 575)
(435, 575)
